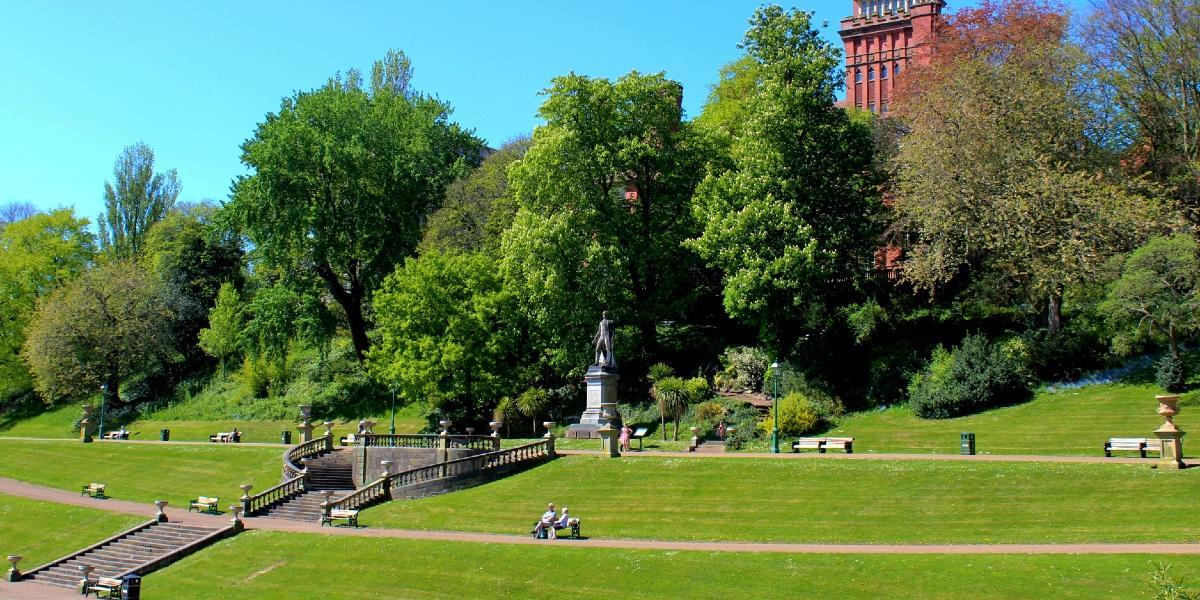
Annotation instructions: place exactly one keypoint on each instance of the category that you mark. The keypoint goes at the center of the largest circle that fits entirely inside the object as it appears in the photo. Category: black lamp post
(775, 371)
(103, 397)
(393, 429)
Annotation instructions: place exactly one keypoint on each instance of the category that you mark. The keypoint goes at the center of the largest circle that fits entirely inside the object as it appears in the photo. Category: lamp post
(775, 370)
(393, 429)
(103, 394)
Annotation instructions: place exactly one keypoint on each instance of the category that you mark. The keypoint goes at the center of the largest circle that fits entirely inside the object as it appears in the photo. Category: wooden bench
(821, 444)
(225, 437)
(639, 434)
(351, 517)
(95, 490)
(1139, 445)
(104, 587)
(205, 504)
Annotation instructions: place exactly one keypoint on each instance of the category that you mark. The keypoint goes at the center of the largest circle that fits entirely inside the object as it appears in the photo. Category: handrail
(416, 440)
(270, 496)
(476, 464)
(309, 449)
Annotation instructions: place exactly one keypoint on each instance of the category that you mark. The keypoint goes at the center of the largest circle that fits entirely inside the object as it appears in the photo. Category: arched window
(896, 68)
(870, 74)
(883, 72)
(858, 77)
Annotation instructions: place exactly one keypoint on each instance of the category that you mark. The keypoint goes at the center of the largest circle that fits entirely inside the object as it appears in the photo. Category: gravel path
(37, 492)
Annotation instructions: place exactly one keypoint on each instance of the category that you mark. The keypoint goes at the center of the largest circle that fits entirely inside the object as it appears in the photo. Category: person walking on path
(625, 433)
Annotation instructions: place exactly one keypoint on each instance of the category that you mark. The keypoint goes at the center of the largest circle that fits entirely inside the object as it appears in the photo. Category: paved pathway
(37, 492)
(879, 456)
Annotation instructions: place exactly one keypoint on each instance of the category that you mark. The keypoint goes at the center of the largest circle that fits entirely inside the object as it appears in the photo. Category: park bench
(1139, 445)
(205, 504)
(104, 587)
(347, 440)
(572, 524)
(117, 435)
(821, 444)
(95, 490)
(351, 517)
(639, 434)
(225, 437)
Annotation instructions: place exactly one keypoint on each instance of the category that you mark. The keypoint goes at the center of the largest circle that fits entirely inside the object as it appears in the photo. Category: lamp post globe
(775, 371)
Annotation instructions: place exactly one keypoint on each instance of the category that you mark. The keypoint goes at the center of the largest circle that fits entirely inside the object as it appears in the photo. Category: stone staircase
(140, 550)
(329, 472)
(710, 447)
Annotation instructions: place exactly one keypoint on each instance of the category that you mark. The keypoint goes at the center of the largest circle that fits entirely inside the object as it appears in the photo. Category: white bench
(1139, 445)
(351, 517)
(108, 586)
(205, 504)
(95, 490)
(821, 444)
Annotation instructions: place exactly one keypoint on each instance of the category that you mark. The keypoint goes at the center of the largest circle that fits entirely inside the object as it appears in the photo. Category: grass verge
(43, 531)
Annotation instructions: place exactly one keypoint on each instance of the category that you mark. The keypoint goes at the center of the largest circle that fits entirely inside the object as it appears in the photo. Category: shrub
(638, 414)
(710, 412)
(973, 376)
(797, 416)
(745, 367)
(1170, 374)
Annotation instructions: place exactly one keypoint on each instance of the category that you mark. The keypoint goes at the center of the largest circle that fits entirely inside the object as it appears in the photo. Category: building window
(871, 106)
(858, 77)
(883, 106)
(883, 72)
(870, 74)
(896, 69)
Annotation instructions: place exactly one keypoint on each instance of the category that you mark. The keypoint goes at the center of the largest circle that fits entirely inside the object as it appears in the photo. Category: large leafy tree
(343, 178)
(603, 206)
(447, 334)
(1157, 294)
(1148, 54)
(793, 223)
(136, 199)
(110, 323)
(998, 170)
(38, 254)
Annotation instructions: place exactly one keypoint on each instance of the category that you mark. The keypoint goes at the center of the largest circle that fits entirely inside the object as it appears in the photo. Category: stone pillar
(549, 437)
(695, 441)
(305, 426)
(1170, 436)
(160, 516)
(14, 574)
(85, 425)
(443, 453)
(328, 428)
(609, 442)
(387, 468)
(601, 403)
(236, 521)
(245, 499)
(85, 582)
(496, 425)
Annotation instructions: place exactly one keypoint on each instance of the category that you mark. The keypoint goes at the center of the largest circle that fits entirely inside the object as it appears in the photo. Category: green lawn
(42, 532)
(143, 472)
(824, 501)
(264, 565)
(1074, 422)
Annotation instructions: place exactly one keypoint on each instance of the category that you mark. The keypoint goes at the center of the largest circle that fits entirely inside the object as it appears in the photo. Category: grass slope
(42, 532)
(824, 501)
(142, 472)
(270, 565)
(1071, 422)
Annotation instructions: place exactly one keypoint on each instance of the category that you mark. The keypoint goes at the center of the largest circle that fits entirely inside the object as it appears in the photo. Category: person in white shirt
(547, 522)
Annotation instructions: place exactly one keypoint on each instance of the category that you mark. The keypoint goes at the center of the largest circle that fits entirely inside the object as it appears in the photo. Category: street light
(103, 394)
(393, 430)
(775, 370)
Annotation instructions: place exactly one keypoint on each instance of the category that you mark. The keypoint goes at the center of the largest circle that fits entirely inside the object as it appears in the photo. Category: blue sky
(83, 79)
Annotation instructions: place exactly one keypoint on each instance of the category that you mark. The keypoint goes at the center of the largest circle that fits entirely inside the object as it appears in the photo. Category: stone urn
(1168, 407)
(445, 425)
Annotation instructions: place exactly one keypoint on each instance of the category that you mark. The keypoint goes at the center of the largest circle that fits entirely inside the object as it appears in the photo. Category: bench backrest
(839, 440)
(342, 513)
(207, 500)
(1128, 440)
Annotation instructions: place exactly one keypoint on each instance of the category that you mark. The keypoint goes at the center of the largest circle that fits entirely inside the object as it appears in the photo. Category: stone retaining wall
(405, 459)
(458, 482)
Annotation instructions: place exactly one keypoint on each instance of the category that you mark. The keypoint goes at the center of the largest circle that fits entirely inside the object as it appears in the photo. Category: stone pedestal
(1170, 436)
(601, 408)
(13, 574)
(608, 441)
(85, 425)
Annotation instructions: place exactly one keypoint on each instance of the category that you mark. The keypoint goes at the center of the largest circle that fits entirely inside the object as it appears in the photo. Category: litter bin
(131, 587)
(164, 435)
(966, 443)
(286, 437)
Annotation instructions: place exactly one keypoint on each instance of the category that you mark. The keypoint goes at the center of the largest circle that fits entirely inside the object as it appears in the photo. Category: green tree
(343, 178)
(671, 395)
(999, 171)
(109, 324)
(793, 223)
(38, 254)
(603, 198)
(1157, 294)
(533, 402)
(446, 334)
(222, 338)
(136, 199)
(478, 207)
(273, 323)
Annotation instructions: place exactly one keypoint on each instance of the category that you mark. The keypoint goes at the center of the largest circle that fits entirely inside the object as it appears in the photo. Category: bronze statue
(604, 342)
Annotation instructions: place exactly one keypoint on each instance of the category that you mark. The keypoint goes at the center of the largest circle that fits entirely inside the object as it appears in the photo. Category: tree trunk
(351, 302)
(112, 387)
(1054, 313)
(662, 424)
(676, 433)
(1174, 345)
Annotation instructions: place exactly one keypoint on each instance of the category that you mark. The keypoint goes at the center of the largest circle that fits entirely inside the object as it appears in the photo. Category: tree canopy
(136, 199)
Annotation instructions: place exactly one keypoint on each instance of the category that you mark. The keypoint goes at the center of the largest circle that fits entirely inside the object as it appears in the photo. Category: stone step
(125, 553)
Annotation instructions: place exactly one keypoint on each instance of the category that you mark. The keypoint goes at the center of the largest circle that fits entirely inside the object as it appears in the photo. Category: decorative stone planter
(445, 425)
(549, 425)
(14, 574)
(496, 425)
(246, 487)
(160, 515)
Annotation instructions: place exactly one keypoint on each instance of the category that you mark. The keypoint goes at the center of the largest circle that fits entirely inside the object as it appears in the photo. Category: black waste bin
(164, 435)
(131, 587)
(286, 437)
(966, 443)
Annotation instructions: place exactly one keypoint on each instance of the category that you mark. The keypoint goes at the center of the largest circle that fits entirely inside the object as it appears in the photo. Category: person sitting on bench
(565, 521)
(545, 526)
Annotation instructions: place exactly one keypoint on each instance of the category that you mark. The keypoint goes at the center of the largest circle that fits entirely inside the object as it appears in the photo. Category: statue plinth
(601, 409)
(1169, 435)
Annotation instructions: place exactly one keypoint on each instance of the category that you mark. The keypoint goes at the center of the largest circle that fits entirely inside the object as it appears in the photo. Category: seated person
(566, 520)
(546, 523)
(234, 435)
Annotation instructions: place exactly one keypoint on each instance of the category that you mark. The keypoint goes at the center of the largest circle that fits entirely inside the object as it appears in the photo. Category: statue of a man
(604, 342)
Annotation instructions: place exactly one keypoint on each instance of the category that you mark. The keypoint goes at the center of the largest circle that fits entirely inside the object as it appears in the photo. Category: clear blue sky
(83, 79)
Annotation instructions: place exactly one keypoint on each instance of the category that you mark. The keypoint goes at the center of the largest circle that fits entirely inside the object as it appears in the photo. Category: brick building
(881, 38)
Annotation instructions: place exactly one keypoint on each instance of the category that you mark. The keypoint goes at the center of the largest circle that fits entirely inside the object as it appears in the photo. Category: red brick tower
(882, 37)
